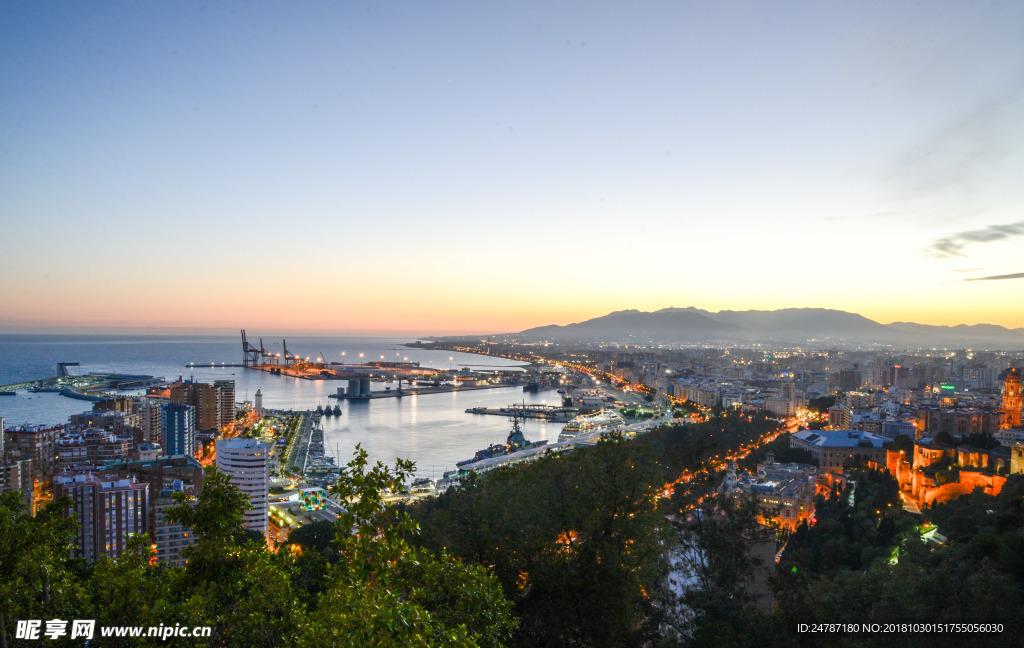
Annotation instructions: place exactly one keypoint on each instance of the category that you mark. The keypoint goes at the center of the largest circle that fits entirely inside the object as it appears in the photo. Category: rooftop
(841, 438)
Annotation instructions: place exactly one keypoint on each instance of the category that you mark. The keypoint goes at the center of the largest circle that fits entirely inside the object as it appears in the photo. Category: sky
(481, 167)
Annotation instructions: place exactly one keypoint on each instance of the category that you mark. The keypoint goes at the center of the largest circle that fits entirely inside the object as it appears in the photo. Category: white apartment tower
(244, 461)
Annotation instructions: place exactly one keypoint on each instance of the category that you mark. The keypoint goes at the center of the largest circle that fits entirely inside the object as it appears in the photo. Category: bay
(431, 429)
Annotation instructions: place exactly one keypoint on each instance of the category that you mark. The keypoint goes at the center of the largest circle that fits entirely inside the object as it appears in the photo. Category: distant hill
(633, 325)
(788, 325)
(979, 334)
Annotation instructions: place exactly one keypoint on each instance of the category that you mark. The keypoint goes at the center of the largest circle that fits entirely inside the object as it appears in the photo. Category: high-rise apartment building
(225, 406)
(849, 380)
(245, 461)
(169, 537)
(202, 398)
(91, 446)
(151, 422)
(35, 442)
(214, 404)
(179, 429)
(896, 376)
(108, 511)
(16, 474)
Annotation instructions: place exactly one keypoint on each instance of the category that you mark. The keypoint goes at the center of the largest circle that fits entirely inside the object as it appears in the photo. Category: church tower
(1012, 400)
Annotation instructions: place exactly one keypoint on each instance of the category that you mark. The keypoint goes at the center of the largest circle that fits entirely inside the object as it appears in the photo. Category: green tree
(821, 404)
(904, 443)
(713, 556)
(385, 592)
(576, 541)
(38, 579)
(233, 584)
(131, 592)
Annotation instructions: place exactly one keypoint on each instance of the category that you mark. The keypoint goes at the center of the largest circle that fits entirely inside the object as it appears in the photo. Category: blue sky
(493, 166)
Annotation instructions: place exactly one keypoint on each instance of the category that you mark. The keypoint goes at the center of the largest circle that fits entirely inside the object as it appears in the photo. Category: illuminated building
(832, 448)
(202, 398)
(1017, 458)
(840, 417)
(313, 499)
(224, 391)
(785, 492)
(245, 463)
(16, 474)
(170, 538)
(108, 511)
(957, 421)
(214, 404)
(1012, 400)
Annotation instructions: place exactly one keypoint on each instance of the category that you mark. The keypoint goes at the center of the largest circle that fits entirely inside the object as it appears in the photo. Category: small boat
(337, 410)
(8, 393)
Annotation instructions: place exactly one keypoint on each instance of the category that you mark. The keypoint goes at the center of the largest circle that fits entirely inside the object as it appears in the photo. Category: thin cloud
(958, 157)
(951, 246)
(1016, 275)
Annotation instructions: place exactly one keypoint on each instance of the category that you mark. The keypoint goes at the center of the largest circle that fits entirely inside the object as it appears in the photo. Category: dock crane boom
(288, 357)
(250, 354)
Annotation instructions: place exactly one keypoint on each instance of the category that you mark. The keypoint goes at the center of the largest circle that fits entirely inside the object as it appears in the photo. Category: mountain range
(804, 326)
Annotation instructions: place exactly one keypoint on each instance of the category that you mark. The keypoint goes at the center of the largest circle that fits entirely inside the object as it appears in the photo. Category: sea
(433, 430)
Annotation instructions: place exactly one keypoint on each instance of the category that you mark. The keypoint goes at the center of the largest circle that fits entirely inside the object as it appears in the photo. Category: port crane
(251, 356)
(267, 354)
(289, 357)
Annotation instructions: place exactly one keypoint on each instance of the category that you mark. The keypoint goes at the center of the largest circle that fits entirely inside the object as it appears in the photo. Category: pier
(413, 391)
(88, 387)
(299, 447)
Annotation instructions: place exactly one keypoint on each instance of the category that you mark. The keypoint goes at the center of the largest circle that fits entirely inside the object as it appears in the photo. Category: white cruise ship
(603, 421)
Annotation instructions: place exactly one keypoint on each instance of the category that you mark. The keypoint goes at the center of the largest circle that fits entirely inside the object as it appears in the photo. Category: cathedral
(1012, 400)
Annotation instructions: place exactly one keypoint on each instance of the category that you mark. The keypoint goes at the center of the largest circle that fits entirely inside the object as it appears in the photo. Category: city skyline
(404, 169)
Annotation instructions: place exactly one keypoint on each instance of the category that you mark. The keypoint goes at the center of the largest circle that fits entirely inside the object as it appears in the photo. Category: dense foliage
(586, 548)
(864, 561)
(366, 586)
(575, 541)
(821, 404)
(578, 549)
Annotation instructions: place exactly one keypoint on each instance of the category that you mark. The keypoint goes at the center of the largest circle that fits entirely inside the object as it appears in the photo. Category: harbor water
(433, 430)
